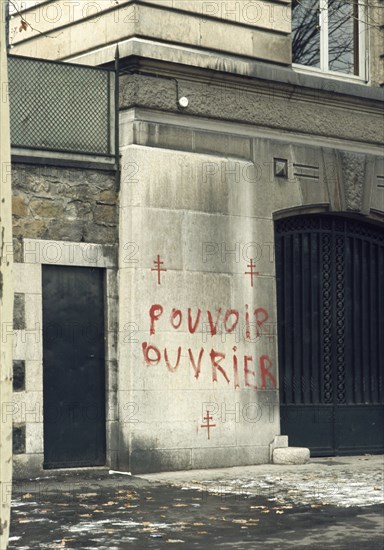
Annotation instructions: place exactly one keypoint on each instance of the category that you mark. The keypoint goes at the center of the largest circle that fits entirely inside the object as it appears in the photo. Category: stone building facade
(221, 139)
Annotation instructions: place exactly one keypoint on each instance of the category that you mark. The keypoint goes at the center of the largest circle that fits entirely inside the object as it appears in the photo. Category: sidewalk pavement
(329, 502)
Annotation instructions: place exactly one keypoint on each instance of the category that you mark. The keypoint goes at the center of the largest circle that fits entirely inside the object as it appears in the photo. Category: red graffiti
(158, 268)
(197, 368)
(193, 327)
(265, 372)
(213, 326)
(259, 379)
(155, 313)
(208, 425)
(169, 367)
(235, 369)
(257, 371)
(227, 321)
(248, 372)
(252, 273)
(234, 323)
(215, 355)
(146, 351)
(176, 318)
(261, 316)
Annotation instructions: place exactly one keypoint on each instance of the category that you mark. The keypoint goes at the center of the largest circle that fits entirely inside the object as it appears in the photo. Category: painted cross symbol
(208, 425)
(251, 265)
(158, 268)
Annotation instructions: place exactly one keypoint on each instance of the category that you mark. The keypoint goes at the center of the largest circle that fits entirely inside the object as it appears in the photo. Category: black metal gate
(330, 297)
(73, 367)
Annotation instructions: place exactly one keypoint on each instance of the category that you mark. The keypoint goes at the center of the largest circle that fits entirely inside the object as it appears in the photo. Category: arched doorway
(330, 298)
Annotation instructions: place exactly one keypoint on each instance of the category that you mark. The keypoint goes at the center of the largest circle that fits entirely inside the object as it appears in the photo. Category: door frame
(40, 252)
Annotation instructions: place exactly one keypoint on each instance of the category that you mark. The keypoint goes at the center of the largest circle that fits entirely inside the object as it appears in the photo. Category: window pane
(342, 43)
(305, 32)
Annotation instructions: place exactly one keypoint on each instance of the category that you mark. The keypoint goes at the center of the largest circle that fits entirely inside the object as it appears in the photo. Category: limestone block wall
(196, 218)
(203, 348)
(258, 30)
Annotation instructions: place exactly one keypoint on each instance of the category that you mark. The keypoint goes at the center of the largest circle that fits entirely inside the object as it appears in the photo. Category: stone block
(34, 437)
(63, 230)
(18, 439)
(19, 206)
(291, 455)
(34, 380)
(108, 196)
(19, 311)
(181, 181)
(100, 233)
(27, 344)
(167, 137)
(29, 227)
(27, 278)
(105, 214)
(46, 208)
(139, 247)
(279, 441)
(18, 375)
(33, 311)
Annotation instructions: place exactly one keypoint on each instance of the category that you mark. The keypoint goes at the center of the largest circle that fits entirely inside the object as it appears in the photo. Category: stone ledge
(291, 455)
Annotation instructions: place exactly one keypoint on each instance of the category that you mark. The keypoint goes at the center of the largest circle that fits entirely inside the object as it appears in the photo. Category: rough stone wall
(69, 204)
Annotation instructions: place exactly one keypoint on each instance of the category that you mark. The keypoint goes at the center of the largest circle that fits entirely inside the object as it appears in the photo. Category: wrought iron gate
(330, 297)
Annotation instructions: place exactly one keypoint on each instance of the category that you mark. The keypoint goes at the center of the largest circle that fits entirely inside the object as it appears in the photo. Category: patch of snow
(344, 490)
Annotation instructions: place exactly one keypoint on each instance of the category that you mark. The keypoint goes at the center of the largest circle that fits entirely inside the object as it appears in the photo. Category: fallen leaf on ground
(239, 521)
(24, 520)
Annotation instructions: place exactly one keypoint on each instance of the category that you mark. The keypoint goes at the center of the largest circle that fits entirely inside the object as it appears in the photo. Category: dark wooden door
(330, 292)
(73, 367)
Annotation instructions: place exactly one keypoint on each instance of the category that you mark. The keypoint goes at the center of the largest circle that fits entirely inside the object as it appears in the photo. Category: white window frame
(324, 70)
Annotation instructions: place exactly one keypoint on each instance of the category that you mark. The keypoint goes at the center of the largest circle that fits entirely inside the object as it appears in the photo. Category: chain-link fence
(61, 106)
